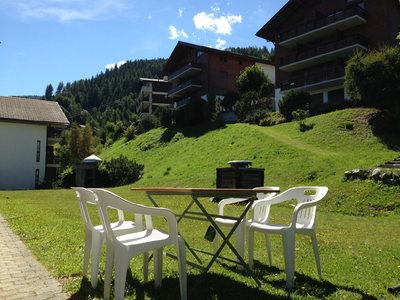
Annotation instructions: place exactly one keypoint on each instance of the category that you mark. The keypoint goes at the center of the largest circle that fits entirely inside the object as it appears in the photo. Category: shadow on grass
(304, 285)
(217, 286)
(385, 126)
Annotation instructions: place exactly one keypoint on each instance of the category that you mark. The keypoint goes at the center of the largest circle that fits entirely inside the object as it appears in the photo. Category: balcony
(53, 136)
(322, 54)
(145, 91)
(144, 112)
(187, 71)
(188, 86)
(143, 102)
(317, 29)
(315, 82)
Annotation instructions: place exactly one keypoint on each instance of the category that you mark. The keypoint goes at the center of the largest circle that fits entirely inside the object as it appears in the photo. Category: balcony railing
(324, 49)
(188, 84)
(330, 19)
(190, 68)
(144, 100)
(313, 79)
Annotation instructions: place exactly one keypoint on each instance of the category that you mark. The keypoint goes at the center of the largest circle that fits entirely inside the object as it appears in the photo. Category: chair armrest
(226, 201)
(261, 206)
(301, 206)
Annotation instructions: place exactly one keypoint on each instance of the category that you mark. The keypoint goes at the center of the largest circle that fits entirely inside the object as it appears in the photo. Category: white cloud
(149, 17)
(220, 25)
(112, 66)
(175, 33)
(180, 13)
(220, 43)
(215, 8)
(65, 11)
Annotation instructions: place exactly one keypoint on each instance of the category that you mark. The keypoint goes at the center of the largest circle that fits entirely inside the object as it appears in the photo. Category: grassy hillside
(359, 255)
(188, 157)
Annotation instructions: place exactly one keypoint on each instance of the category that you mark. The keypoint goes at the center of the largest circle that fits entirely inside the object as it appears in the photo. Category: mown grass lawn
(357, 223)
(359, 255)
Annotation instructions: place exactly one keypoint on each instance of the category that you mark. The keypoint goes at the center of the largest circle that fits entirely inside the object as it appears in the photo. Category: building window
(199, 53)
(222, 91)
(38, 151)
(240, 62)
(223, 58)
(37, 177)
(223, 74)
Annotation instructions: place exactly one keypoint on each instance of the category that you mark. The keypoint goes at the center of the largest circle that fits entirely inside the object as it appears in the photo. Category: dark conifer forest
(110, 96)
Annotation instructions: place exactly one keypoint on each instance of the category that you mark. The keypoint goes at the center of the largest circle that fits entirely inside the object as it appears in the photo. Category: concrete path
(21, 275)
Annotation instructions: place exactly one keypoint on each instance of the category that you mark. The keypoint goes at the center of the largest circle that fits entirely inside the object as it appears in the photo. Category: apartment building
(198, 71)
(314, 39)
(28, 131)
(151, 94)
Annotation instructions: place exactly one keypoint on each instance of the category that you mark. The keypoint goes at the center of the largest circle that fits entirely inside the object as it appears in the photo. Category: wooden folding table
(196, 193)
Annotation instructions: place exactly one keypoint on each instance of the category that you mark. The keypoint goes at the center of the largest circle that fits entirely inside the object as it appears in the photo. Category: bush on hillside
(293, 101)
(164, 115)
(146, 123)
(230, 99)
(272, 118)
(372, 79)
(119, 171)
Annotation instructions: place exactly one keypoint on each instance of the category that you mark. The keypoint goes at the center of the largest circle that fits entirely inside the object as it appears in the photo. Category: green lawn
(357, 223)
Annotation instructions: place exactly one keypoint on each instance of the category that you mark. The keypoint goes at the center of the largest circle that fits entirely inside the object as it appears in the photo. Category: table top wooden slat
(205, 190)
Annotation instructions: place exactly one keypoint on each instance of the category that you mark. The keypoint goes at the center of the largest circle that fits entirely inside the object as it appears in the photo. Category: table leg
(226, 240)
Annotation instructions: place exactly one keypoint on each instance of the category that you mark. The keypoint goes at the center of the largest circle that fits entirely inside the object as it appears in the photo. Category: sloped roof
(15, 109)
(92, 159)
(291, 12)
(180, 48)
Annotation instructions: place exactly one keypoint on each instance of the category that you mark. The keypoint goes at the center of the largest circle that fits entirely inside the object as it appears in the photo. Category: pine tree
(75, 143)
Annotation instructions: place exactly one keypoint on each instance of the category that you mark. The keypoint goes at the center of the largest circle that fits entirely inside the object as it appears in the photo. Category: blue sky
(48, 41)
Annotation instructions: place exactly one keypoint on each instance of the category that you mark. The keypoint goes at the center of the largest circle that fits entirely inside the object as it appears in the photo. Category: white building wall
(18, 143)
(269, 70)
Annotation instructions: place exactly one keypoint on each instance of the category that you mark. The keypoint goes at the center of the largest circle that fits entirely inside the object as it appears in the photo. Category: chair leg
(158, 258)
(288, 250)
(88, 248)
(97, 244)
(121, 263)
(316, 254)
(181, 251)
(250, 242)
(240, 238)
(108, 271)
(146, 267)
(268, 242)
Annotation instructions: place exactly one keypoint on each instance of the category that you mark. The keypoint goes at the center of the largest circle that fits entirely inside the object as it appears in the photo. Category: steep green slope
(188, 157)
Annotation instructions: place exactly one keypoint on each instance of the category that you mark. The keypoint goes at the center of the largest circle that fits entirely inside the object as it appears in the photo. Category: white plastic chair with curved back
(303, 222)
(241, 229)
(124, 248)
(94, 235)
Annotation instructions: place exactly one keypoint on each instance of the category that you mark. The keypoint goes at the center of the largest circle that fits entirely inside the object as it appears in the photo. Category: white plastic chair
(241, 229)
(303, 222)
(124, 248)
(94, 235)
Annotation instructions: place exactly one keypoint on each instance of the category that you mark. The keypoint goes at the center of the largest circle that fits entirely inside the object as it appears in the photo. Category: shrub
(129, 133)
(272, 118)
(164, 116)
(294, 100)
(300, 116)
(119, 171)
(67, 178)
(147, 123)
(230, 99)
(372, 79)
